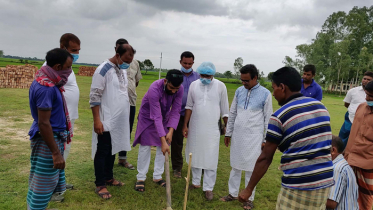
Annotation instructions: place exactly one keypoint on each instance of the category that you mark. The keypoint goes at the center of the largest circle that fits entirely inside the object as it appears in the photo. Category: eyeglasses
(245, 81)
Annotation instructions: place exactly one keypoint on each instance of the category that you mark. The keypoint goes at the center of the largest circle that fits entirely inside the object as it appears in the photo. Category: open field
(15, 120)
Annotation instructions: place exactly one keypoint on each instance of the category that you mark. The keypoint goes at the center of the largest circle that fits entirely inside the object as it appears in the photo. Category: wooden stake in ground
(187, 181)
(168, 182)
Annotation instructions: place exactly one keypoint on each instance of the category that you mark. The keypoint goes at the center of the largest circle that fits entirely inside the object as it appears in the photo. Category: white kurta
(208, 103)
(247, 124)
(71, 95)
(109, 91)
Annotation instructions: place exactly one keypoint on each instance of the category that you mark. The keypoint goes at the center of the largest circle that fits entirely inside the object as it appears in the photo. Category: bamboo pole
(168, 182)
(187, 181)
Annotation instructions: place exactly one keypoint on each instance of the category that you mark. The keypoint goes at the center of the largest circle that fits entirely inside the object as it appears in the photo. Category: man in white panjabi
(247, 124)
(207, 102)
(111, 109)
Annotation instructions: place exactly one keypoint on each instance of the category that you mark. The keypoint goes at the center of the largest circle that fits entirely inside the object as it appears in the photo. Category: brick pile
(17, 76)
(86, 70)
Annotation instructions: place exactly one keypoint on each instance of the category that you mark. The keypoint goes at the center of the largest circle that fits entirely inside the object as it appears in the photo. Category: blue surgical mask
(186, 70)
(124, 65)
(370, 103)
(205, 81)
(75, 57)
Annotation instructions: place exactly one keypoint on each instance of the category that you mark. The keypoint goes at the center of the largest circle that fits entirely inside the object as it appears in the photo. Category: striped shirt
(345, 190)
(301, 128)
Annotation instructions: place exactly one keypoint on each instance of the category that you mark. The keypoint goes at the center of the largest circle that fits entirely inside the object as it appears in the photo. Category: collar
(312, 83)
(255, 87)
(360, 88)
(297, 95)
(338, 158)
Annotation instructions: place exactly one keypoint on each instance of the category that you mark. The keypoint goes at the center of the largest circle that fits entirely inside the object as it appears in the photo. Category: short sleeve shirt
(133, 76)
(354, 97)
(46, 98)
(312, 91)
(301, 128)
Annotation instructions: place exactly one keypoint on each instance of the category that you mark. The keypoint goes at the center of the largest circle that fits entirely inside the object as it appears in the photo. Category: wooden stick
(187, 181)
(168, 182)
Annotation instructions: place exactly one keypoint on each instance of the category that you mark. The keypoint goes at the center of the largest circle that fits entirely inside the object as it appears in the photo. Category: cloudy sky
(262, 32)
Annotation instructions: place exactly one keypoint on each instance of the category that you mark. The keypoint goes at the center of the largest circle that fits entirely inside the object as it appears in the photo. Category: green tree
(141, 65)
(238, 63)
(148, 65)
(21, 60)
(1, 53)
(228, 74)
(269, 77)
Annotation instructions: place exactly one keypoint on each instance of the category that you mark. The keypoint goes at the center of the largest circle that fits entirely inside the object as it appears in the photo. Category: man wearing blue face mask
(189, 76)
(111, 109)
(207, 102)
(70, 43)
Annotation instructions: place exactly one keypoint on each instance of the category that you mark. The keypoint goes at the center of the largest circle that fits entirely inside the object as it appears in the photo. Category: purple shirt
(46, 98)
(158, 112)
(186, 83)
(312, 91)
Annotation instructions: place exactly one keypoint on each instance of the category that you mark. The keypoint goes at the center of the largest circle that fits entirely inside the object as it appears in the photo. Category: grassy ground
(15, 120)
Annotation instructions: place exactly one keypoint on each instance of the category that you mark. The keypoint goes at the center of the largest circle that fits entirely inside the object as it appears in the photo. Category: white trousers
(68, 146)
(209, 178)
(235, 181)
(143, 161)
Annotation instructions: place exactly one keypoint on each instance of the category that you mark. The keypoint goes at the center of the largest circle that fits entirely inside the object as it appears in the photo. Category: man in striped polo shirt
(300, 129)
(343, 195)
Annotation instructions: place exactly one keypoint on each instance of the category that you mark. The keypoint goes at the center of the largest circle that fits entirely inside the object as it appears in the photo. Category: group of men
(190, 104)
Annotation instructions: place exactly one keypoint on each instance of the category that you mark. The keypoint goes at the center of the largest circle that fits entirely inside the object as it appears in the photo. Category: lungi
(302, 199)
(44, 180)
(365, 182)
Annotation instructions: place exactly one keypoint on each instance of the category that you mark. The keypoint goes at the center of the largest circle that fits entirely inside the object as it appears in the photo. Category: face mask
(75, 57)
(186, 70)
(168, 91)
(205, 81)
(124, 65)
(370, 103)
(64, 74)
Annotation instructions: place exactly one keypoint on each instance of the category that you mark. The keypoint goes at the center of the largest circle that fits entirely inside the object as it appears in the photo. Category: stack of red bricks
(17, 76)
(87, 70)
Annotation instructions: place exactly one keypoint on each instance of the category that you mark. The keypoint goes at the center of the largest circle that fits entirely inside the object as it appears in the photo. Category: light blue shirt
(345, 189)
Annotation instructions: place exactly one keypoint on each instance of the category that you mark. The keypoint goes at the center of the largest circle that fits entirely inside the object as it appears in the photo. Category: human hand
(185, 131)
(169, 137)
(244, 195)
(58, 161)
(165, 147)
(98, 127)
(227, 140)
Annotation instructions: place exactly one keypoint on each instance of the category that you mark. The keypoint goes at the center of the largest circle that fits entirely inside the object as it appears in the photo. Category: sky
(262, 32)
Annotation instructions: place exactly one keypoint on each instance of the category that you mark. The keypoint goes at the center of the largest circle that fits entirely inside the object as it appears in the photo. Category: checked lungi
(302, 199)
(365, 182)
(44, 180)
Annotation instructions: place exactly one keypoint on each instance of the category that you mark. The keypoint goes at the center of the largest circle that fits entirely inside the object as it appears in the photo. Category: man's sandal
(228, 198)
(127, 165)
(177, 174)
(102, 194)
(161, 183)
(111, 183)
(140, 186)
(248, 205)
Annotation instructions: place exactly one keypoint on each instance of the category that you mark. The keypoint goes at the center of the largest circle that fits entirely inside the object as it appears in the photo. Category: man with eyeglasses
(158, 118)
(207, 102)
(248, 119)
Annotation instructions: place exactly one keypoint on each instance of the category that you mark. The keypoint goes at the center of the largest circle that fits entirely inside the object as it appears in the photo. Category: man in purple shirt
(309, 87)
(186, 61)
(158, 118)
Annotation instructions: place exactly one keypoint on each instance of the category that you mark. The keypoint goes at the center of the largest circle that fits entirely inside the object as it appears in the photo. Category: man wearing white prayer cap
(207, 102)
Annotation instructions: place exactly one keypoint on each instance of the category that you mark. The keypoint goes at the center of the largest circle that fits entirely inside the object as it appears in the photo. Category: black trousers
(132, 119)
(104, 160)
(177, 147)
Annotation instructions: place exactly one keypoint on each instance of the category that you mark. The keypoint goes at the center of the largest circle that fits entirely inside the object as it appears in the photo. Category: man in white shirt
(110, 108)
(353, 99)
(134, 76)
(247, 124)
(207, 102)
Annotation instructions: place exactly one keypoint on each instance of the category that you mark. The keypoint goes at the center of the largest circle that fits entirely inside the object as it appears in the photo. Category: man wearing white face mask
(189, 76)
(207, 102)
(111, 109)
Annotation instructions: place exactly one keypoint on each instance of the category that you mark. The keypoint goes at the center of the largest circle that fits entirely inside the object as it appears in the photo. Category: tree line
(341, 51)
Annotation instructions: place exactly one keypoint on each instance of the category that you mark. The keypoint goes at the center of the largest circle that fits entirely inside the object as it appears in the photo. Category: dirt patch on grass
(11, 130)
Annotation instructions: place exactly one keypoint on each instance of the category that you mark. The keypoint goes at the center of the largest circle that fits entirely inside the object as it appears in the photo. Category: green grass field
(15, 120)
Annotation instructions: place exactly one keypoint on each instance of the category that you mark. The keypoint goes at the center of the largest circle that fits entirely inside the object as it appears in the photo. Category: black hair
(122, 49)
(121, 41)
(310, 67)
(338, 143)
(251, 69)
(57, 56)
(175, 77)
(66, 38)
(369, 74)
(186, 54)
(288, 76)
(369, 87)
